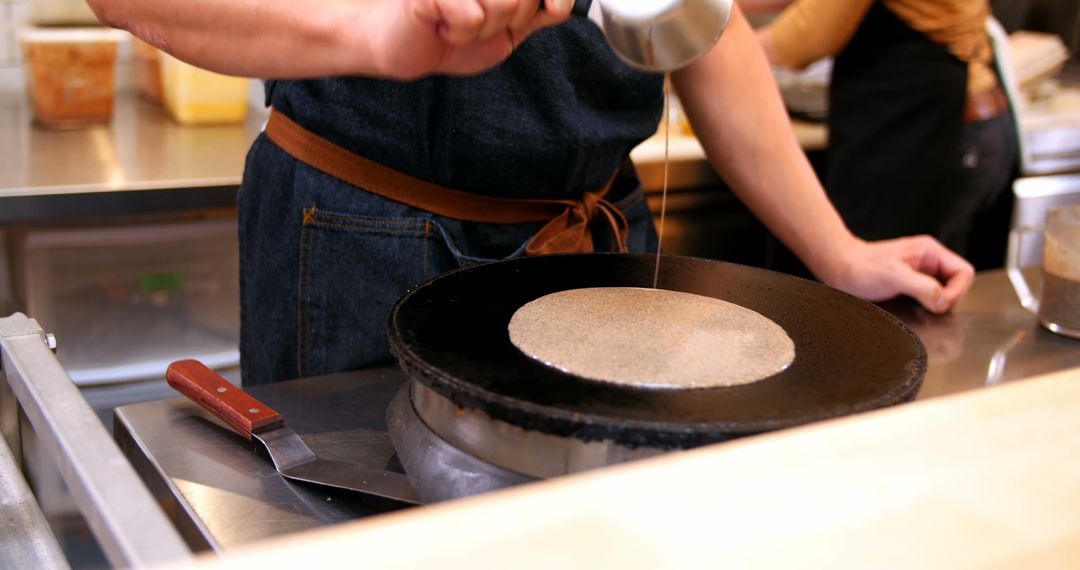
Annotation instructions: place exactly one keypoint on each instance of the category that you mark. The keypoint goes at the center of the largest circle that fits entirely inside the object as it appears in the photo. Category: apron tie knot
(571, 232)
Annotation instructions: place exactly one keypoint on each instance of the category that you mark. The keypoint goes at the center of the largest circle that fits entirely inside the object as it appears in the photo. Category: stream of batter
(666, 120)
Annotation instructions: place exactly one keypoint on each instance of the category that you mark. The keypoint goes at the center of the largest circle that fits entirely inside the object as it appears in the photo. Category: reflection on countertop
(988, 339)
(140, 149)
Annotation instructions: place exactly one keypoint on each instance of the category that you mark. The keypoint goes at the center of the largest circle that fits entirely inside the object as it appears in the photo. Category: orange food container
(71, 74)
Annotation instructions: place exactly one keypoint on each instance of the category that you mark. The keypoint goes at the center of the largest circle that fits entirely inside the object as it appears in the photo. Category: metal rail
(25, 538)
(124, 517)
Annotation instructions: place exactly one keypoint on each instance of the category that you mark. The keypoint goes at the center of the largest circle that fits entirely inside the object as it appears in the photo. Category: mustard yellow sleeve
(809, 30)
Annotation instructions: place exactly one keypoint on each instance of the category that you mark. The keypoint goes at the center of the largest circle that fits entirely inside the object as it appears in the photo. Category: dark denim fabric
(322, 262)
(556, 119)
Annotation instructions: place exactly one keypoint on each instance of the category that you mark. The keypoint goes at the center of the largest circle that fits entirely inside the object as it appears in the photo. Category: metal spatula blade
(292, 457)
(295, 460)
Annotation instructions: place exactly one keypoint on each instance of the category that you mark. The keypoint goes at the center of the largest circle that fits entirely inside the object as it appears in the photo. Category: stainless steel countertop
(987, 340)
(44, 173)
(222, 494)
(141, 149)
(140, 162)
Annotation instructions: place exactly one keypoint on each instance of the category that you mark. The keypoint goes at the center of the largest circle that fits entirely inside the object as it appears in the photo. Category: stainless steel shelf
(140, 162)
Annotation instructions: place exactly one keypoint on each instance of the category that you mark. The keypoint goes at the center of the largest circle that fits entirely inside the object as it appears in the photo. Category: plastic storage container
(195, 96)
(126, 301)
(70, 74)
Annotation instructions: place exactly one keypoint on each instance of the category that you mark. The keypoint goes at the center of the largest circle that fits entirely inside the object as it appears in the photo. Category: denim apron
(322, 262)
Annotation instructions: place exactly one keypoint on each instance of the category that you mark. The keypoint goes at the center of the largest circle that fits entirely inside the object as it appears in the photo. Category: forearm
(732, 100)
(255, 38)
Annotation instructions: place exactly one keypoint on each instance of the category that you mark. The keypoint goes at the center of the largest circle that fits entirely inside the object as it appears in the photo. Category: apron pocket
(352, 270)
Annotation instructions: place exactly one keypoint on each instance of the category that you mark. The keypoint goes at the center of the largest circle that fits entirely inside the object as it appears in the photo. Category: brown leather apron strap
(985, 105)
(568, 220)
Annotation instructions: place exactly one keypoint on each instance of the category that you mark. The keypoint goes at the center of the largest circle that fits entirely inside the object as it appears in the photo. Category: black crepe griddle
(450, 333)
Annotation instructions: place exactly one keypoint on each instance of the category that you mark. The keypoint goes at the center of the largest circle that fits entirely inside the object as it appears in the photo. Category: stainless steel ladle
(660, 35)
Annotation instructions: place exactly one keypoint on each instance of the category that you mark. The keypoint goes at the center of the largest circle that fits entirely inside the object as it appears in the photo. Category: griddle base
(437, 470)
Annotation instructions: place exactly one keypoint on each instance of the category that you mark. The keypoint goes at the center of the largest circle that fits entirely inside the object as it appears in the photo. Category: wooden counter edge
(982, 479)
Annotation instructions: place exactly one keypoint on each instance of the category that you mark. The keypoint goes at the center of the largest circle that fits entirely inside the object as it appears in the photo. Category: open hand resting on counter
(919, 267)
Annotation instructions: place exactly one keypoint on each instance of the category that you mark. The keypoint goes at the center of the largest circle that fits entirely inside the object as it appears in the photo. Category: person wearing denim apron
(504, 102)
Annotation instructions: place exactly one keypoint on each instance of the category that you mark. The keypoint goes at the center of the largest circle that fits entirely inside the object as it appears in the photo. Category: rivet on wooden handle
(229, 403)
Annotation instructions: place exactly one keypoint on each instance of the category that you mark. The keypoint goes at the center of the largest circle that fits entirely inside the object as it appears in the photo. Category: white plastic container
(126, 301)
(195, 96)
(70, 74)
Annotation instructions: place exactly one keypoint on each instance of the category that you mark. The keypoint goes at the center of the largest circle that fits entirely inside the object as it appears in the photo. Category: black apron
(896, 131)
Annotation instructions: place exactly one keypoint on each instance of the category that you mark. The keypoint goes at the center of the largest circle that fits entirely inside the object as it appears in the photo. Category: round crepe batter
(651, 338)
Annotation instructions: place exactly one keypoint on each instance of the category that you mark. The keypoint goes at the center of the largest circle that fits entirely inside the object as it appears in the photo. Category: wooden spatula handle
(218, 396)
